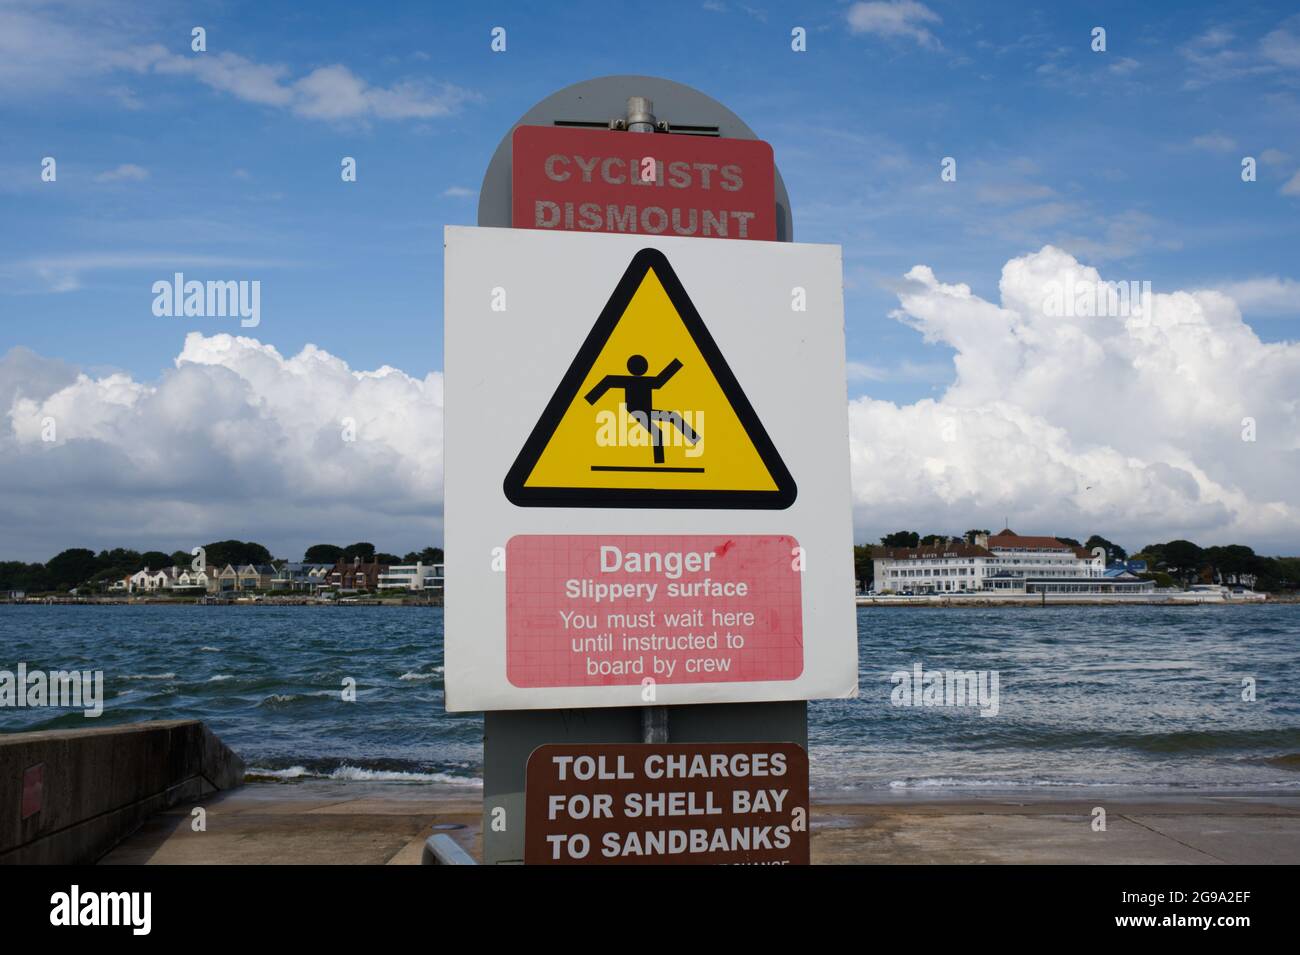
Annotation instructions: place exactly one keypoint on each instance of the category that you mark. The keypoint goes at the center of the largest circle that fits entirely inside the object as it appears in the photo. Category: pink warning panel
(610, 610)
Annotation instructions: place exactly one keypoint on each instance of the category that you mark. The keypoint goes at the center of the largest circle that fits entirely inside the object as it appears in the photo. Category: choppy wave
(360, 774)
(279, 699)
(1286, 761)
(1172, 742)
(949, 782)
(975, 783)
(289, 699)
(412, 676)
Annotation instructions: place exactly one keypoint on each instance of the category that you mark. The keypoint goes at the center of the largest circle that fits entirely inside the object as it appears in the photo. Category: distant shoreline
(980, 603)
(67, 602)
(1032, 602)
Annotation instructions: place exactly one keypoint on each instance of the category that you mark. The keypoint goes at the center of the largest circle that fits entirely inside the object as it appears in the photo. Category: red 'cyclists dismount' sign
(596, 180)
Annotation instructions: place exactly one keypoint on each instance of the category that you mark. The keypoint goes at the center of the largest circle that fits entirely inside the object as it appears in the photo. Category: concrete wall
(68, 796)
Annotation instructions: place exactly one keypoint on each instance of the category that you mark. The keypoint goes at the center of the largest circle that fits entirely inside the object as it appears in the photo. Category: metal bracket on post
(640, 117)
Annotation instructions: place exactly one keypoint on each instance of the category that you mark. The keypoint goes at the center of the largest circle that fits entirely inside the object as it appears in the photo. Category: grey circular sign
(596, 102)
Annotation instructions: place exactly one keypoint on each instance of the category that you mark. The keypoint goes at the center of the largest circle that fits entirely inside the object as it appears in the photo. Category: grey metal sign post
(643, 104)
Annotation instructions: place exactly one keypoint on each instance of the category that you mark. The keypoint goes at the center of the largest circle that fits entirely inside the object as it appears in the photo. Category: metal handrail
(442, 849)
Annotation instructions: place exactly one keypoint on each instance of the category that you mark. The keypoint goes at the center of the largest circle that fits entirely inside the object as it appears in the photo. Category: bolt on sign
(646, 803)
(647, 481)
(603, 181)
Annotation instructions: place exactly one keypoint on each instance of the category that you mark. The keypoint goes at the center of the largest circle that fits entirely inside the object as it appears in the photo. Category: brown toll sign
(672, 803)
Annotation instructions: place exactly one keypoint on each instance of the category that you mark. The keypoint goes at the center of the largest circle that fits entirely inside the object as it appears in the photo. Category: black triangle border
(567, 392)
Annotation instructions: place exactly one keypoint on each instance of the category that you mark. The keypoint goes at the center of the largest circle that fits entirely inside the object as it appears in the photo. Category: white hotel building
(414, 577)
(1005, 563)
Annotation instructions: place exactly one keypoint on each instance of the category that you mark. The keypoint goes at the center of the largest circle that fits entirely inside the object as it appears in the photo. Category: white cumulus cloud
(1265, 295)
(234, 441)
(1129, 426)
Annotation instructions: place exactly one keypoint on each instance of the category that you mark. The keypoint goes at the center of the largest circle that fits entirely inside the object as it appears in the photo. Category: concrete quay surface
(996, 829)
(313, 822)
(323, 822)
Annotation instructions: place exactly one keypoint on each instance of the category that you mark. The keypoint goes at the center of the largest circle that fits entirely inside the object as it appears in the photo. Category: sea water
(1140, 698)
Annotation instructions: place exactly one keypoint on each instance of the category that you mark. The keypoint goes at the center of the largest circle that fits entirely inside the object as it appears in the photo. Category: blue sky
(225, 165)
(1130, 157)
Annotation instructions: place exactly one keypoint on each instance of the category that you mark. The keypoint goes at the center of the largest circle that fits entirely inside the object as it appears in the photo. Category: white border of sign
(789, 363)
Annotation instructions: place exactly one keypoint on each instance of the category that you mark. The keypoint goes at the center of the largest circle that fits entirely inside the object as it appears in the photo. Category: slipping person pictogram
(650, 320)
(638, 397)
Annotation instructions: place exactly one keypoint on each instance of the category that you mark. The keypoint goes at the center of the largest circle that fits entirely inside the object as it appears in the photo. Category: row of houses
(289, 576)
(1006, 562)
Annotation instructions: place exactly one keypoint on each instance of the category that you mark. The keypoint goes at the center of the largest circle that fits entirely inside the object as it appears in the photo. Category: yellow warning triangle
(649, 414)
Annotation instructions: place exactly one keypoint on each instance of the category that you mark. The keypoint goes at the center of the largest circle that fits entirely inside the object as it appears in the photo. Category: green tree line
(82, 567)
